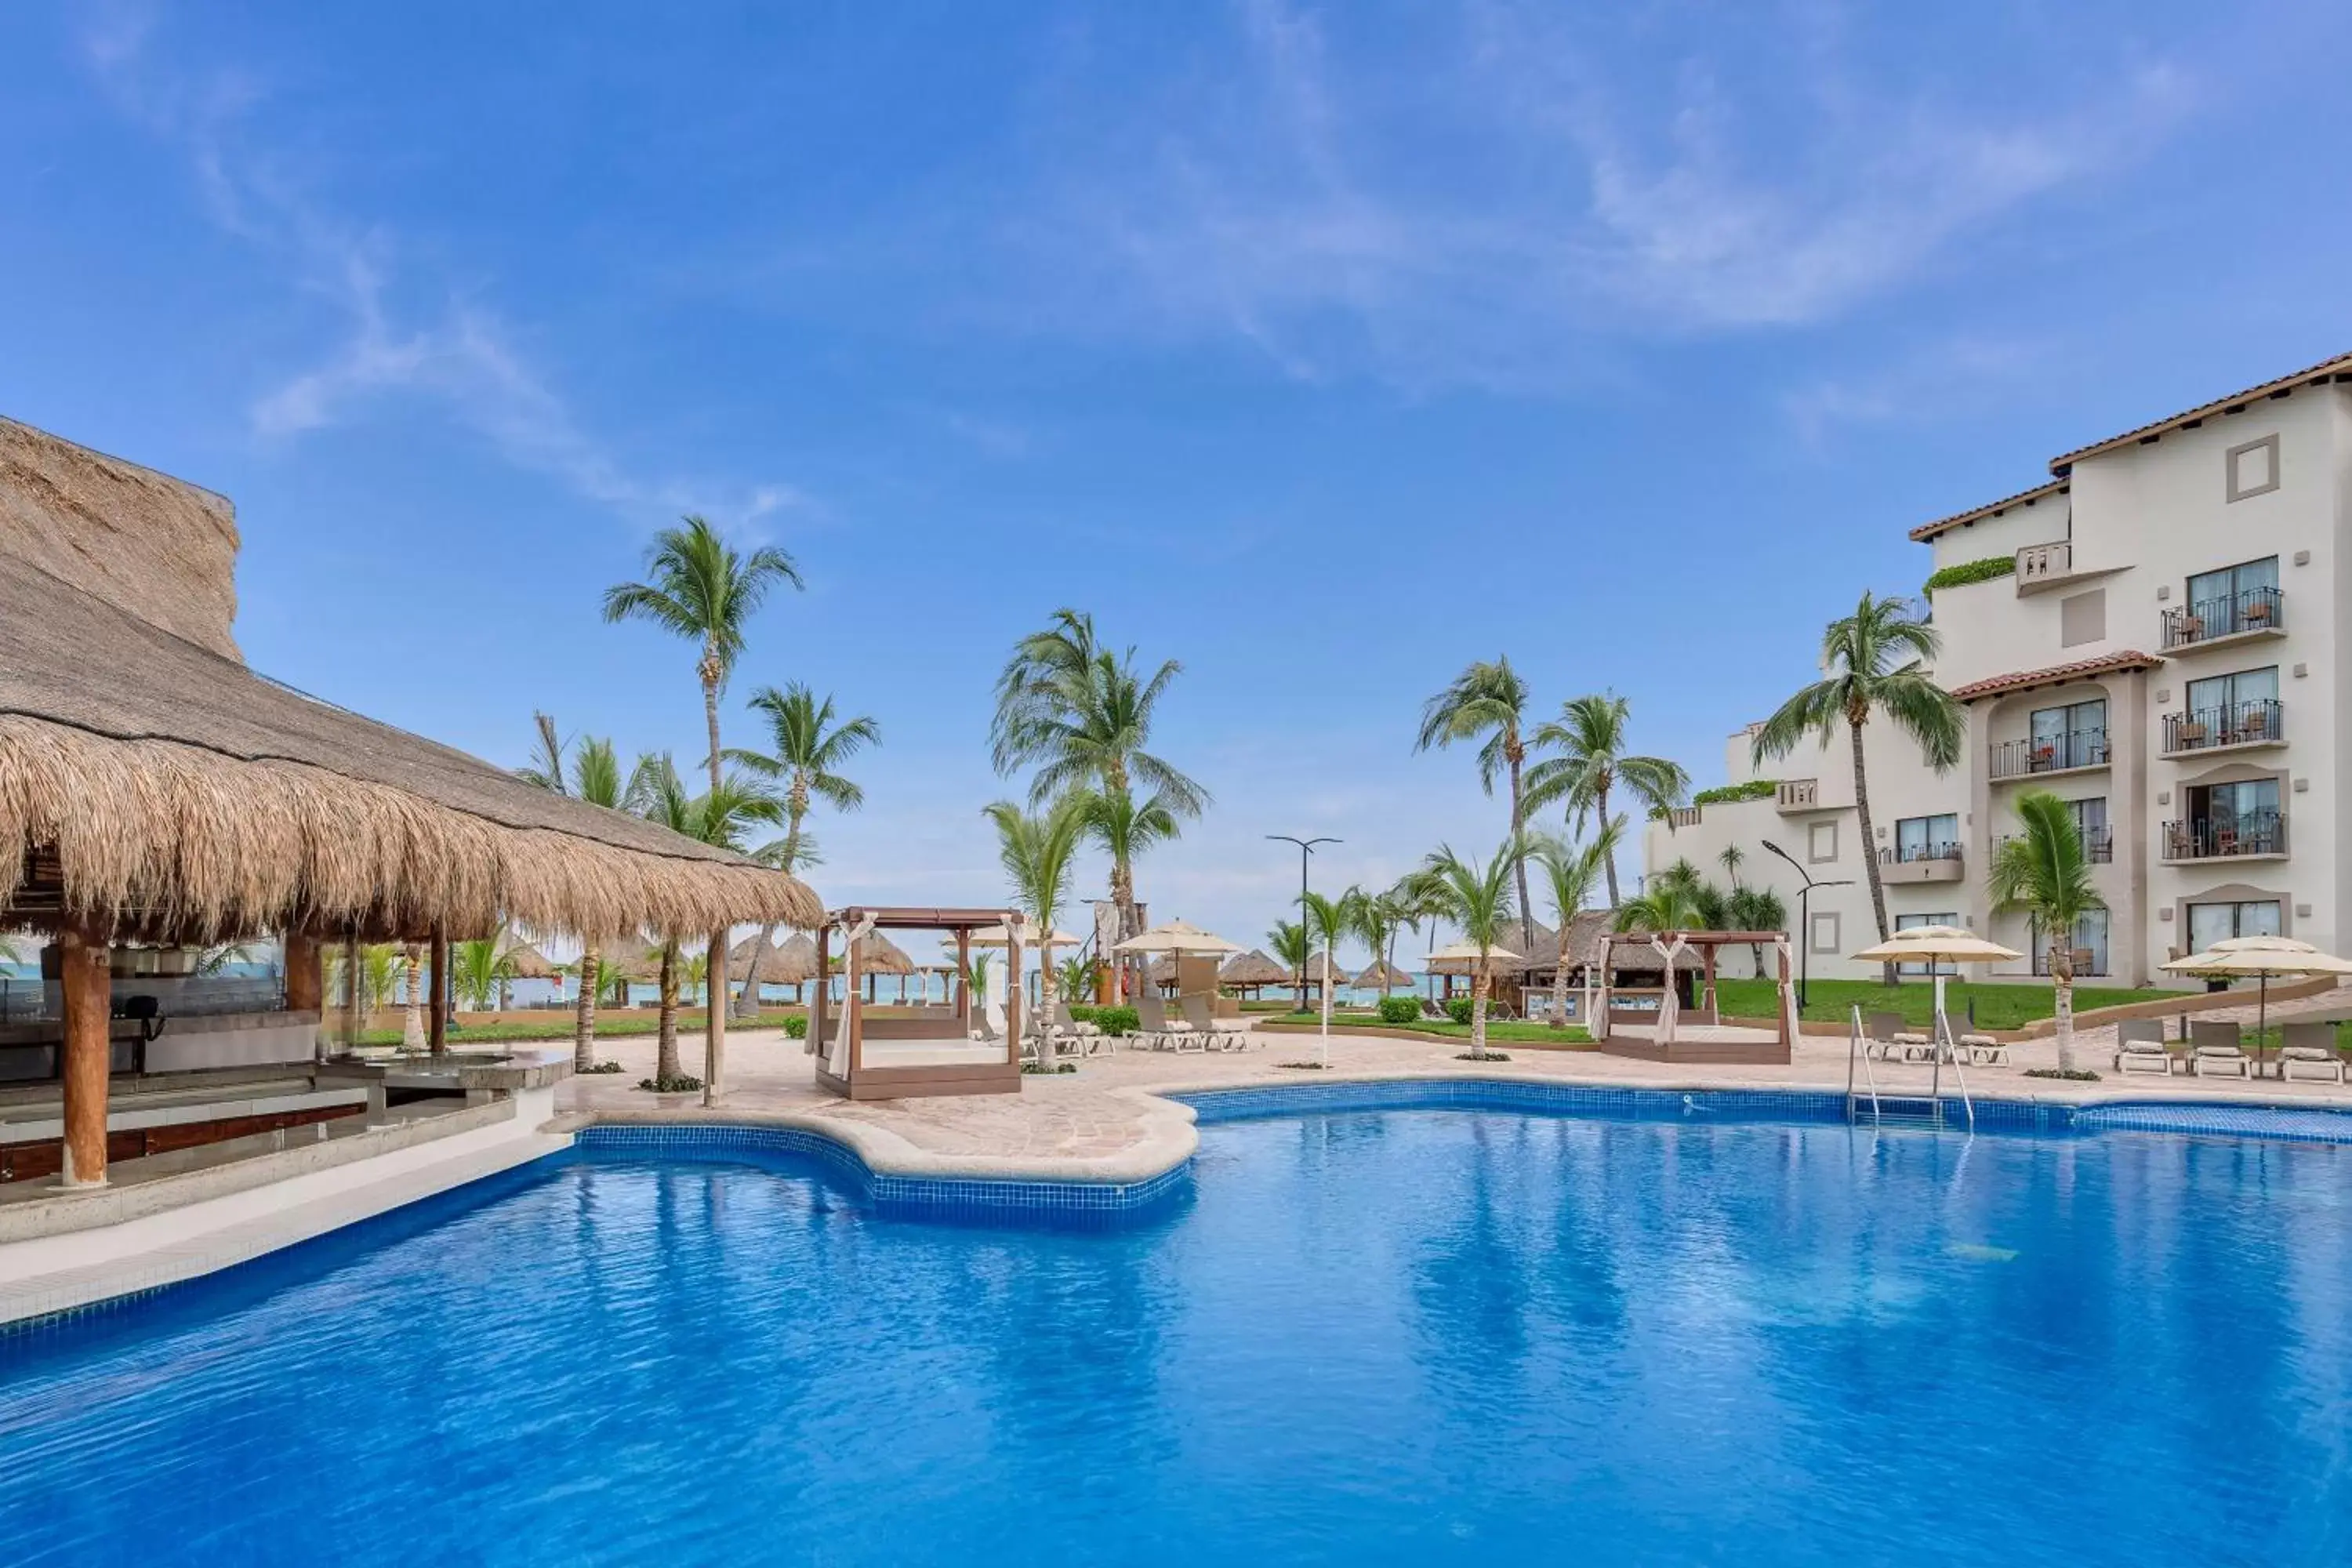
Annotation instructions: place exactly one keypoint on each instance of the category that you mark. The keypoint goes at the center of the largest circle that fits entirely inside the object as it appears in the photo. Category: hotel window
(1821, 843)
(2234, 599)
(2091, 823)
(1910, 923)
(1927, 838)
(2240, 818)
(2209, 923)
(2074, 736)
(2090, 946)
(2226, 709)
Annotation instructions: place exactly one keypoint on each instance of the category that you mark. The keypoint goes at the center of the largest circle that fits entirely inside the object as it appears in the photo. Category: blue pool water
(1400, 1336)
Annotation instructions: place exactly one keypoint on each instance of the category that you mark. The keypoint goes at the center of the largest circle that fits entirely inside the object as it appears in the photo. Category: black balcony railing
(2050, 753)
(2225, 615)
(2098, 844)
(2232, 724)
(2219, 837)
(1905, 854)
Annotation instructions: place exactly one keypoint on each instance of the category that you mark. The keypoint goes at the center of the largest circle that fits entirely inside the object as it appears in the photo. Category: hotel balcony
(2237, 726)
(1682, 816)
(1798, 794)
(2070, 753)
(1920, 863)
(2252, 616)
(2256, 836)
(2098, 844)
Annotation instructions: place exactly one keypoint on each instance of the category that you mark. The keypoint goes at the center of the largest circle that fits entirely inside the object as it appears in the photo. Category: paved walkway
(1106, 1121)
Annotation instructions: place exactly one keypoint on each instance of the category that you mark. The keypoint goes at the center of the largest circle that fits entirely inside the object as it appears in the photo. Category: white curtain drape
(1596, 991)
(1788, 990)
(1669, 1007)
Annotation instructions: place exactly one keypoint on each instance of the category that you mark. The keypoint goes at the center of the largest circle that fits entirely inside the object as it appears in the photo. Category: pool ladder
(1926, 1111)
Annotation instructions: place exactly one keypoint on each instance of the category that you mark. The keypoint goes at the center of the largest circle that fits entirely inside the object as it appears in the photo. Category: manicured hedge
(1754, 789)
(1399, 1010)
(1459, 1009)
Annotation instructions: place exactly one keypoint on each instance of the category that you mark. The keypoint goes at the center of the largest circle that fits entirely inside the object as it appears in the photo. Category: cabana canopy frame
(932, 1052)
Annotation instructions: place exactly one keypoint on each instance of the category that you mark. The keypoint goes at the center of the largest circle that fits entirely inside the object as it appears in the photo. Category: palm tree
(595, 779)
(808, 746)
(1081, 715)
(1039, 851)
(1666, 905)
(1710, 909)
(545, 768)
(1731, 856)
(1477, 900)
(1288, 941)
(1875, 661)
(1489, 700)
(1123, 828)
(412, 1026)
(1756, 909)
(477, 968)
(1376, 916)
(1571, 872)
(657, 794)
(2045, 872)
(1590, 738)
(1329, 922)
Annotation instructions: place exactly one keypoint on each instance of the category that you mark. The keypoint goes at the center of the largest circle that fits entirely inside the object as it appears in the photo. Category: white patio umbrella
(1178, 936)
(1932, 946)
(2261, 957)
(1467, 952)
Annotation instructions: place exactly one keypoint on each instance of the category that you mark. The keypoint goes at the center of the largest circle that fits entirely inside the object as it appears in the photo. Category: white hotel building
(2170, 648)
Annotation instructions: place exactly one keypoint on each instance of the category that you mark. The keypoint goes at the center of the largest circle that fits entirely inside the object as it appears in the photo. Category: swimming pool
(1395, 1335)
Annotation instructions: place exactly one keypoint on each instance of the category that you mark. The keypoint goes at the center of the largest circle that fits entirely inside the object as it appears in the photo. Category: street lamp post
(1804, 921)
(1306, 849)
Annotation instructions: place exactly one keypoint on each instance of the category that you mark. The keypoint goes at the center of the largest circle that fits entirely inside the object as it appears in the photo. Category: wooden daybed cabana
(157, 796)
(863, 1054)
(1649, 1022)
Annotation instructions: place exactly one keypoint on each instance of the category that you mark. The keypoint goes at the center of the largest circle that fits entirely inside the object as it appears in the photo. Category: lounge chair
(1159, 1032)
(1984, 1051)
(1221, 1037)
(2140, 1047)
(1915, 1046)
(2214, 1051)
(1090, 1037)
(2311, 1047)
(1878, 1035)
(1430, 1009)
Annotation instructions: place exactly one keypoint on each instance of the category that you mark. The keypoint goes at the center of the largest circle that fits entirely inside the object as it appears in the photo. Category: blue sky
(1324, 348)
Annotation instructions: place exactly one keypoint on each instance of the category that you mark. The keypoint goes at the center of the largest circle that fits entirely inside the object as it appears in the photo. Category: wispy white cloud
(421, 340)
(1293, 202)
(1950, 377)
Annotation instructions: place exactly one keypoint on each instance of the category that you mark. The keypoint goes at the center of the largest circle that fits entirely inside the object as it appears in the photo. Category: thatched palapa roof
(1381, 975)
(876, 955)
(525, 961)
(795, 960)
(1253, 968)
(155, 784)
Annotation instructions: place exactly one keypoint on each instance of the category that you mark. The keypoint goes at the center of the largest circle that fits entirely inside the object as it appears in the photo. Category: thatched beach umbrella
(1253, 971)
(525, 961)
(1382, 977)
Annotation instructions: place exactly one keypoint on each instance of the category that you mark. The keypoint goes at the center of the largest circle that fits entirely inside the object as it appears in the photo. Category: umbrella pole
(1943, 1036)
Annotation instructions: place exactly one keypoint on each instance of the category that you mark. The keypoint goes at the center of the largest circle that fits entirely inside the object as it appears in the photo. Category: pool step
(1896, 1111)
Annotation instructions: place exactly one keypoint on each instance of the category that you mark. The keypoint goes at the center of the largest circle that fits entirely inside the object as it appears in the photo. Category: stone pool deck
(1106, 1122)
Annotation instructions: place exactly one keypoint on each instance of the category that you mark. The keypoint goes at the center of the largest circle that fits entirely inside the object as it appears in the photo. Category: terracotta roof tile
(1928, 530)
(2106, 664)
(2339, 367)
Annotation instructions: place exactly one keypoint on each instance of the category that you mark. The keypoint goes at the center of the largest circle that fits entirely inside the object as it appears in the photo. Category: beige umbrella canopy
(1253, 969)
(1383, 975)
(994, 936)
(2258, 958)
(1178, 936)
(1943, 944)
(1462, 958)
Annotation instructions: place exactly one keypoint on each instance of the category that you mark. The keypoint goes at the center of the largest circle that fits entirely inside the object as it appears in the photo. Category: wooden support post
(437, 1027)
(1709, 950)
(962, 978)
(306, 982)
(86, 987)
(1012, 995)
(354, 1016)
(823, 993)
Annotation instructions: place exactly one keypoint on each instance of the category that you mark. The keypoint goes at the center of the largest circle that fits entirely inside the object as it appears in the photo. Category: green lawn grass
(1999, 1005)
(1497, 1028)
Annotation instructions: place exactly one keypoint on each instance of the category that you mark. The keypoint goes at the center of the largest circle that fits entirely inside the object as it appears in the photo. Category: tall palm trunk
(750, 1004)
(584, 1027)
(2062, 977)
(1559, 978)
(1513, 750)
(1480, 984)
(1869, 838)
(412, 1027)
(1601, 804)
(666, 1051)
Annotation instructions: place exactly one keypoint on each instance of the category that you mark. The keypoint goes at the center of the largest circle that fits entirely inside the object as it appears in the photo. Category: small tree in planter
(1477, 898)
(2044, 872)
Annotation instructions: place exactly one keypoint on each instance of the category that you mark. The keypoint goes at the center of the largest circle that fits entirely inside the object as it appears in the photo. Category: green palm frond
(1487, 701)
(1038, 851)
(1876, 659)
(701, 587)
(545, 768)
(1475, 895)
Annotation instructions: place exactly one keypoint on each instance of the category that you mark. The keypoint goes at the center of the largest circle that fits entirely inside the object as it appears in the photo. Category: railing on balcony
(2045, 562)
(2227, 616)
(1682, 816)
(1911, 854)
(2219, 837)
(2098, 844)
(2050, 753)
(1798, 794)
(2232, 724)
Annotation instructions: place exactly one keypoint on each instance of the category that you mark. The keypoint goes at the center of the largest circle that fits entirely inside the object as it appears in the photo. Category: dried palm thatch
(631, 960)
(876, 955)
(795, 961)
(1381, 975)
(1253, 968)
(150, 784)
(157, 547)
(525, 961)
